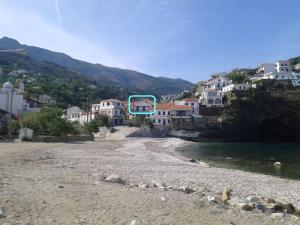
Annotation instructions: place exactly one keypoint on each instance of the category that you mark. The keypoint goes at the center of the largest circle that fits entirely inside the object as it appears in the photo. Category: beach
(64, 183)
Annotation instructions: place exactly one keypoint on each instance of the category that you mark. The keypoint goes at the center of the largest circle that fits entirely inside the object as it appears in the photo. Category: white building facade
(211, 98)
(11, 99)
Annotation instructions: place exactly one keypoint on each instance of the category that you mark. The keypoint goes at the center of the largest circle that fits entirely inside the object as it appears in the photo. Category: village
(172, 110)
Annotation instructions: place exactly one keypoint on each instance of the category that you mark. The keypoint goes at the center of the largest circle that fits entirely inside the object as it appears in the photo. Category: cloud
(29, 27)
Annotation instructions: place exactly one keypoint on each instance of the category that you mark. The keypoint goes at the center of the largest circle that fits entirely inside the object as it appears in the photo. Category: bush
(48, 121)
(100, 121)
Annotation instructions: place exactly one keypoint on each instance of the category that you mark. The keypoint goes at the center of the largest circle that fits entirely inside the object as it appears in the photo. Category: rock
(193, 160)
(277, 165)
(133, 222)
(270, 200)
(245, 206)
(225, 195)
(263, 209)
(60, 186)
(2, 214)
(187, 190)
(204, 164)
(289, 208)
(143, 185)
(294, 218)
(277, 215)
(211, 199)
(158, 184)
(297, 212)
(114, 178)
(235, 201)
(163, 199)
(254, 198)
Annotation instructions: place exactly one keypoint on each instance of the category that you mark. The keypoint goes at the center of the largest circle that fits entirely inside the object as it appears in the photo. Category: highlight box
(142, 96)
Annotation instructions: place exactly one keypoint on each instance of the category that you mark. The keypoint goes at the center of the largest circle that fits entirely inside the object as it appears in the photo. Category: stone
(235, 201)
(187, 190)
(158, 184)
(225, 195)
(60, 186)
(133, 222)
(289, 208)
(297, 212)
(277, 215)
(263, 209)
(245, 206)
(114, 178)
(277, 165)
(2, 214)
(211, 199)
(204, 164)
(270, 200)
(193, 160)
(163, 199)
(143, 185)
(254, 198)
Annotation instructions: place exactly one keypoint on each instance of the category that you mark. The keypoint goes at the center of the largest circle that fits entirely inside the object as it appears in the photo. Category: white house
(72, 114)
(266, 68)
(236, 87)
(162, 116)
(217, 83)
(194, 103)
(211, 98)
(283, 66)
(113, 108)
(11, 99)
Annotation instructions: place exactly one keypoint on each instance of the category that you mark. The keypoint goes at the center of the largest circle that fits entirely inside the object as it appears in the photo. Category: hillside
(107, 75)
(65, 86)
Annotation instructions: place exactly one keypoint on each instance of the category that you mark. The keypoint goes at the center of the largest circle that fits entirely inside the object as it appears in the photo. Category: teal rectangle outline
(142, 96)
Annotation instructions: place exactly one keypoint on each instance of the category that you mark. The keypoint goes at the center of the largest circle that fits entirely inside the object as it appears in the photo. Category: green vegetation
(65, 86)
(100, 121)
(237, 78)
(48, 121)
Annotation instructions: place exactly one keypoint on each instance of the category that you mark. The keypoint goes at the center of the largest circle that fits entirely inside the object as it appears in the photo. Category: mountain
(65, 86)
(107, 75)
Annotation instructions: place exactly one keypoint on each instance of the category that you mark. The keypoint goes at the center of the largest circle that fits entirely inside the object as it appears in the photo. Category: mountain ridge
(125, 78)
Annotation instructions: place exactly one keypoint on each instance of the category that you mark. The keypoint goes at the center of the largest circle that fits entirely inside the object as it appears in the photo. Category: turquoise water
(251, 157)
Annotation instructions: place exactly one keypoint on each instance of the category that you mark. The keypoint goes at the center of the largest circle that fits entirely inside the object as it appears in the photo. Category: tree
(100, 121)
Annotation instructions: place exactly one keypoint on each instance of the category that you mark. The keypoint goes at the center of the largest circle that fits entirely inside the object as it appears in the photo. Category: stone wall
(63, 138)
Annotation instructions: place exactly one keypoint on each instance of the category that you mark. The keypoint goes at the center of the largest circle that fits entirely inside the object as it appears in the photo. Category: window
(118, 104)
(164, 113)
(158, 112)
(159, 121)
(192, 103)
(186, 103)
(168, 112)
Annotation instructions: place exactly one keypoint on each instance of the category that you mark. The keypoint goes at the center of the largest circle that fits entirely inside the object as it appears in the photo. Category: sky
(188, 39)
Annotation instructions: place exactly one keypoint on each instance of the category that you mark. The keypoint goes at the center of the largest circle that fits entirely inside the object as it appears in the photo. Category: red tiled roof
(164, 106)
(181, 107)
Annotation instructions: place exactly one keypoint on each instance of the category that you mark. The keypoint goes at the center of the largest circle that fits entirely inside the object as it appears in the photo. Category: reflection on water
(249, 157)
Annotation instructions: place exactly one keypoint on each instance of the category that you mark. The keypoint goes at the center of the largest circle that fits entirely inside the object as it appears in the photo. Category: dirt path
(54, 184)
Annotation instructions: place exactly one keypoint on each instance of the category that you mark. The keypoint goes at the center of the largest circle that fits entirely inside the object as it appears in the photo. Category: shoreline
(71, 176)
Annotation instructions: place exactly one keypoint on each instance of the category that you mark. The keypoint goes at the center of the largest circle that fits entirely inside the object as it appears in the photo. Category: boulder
(212, 199)
(225, 195)
(289, 208)
(114, 178)
(277, 165)
(187, 190)
(143, 185)
(159, 184)
(246, 206)
(254, 198)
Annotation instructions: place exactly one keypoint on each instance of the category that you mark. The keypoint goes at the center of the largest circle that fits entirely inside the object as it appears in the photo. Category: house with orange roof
(162, 116)
(194, 103)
